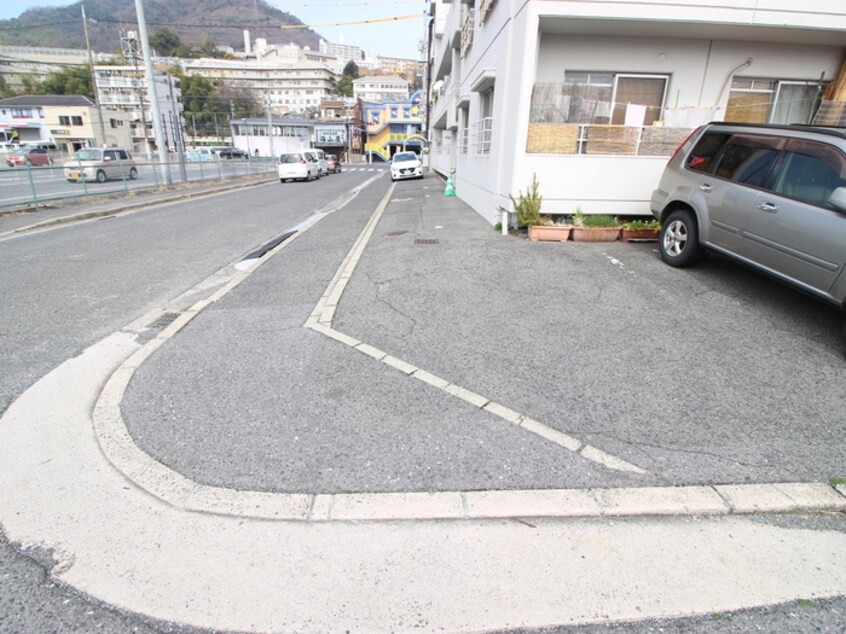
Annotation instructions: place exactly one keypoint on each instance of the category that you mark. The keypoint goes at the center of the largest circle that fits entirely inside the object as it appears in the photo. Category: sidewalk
(201, 551)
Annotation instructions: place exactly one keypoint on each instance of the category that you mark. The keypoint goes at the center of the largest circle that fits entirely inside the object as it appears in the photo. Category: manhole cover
(426, 241)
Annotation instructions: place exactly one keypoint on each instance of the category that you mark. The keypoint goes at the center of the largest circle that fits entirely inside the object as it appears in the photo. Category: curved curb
(181, 492)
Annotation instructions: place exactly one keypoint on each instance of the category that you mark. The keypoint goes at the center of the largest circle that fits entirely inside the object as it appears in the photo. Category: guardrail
(35, 185)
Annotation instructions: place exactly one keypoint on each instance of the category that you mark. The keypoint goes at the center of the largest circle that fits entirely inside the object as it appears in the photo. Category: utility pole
(151, 89)
(93, 76)
(129, 46)
(270, 125)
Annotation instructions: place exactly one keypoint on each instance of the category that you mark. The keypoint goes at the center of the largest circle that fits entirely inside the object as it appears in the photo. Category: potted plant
(528, 208)
(595, 227)
(640, 230)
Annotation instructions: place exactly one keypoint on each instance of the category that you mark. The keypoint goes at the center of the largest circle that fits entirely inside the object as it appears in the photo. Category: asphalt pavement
(395, 372)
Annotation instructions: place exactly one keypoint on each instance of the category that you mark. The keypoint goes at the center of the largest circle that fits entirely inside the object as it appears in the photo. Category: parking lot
(705, 375)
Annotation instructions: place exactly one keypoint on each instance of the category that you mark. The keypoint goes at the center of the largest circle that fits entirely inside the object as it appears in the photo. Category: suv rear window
(701, 158)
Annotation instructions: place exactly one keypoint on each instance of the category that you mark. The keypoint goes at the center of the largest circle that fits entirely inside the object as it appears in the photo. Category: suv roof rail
(830, 130)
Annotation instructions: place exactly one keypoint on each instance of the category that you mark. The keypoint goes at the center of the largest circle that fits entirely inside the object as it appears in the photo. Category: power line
(177, 25)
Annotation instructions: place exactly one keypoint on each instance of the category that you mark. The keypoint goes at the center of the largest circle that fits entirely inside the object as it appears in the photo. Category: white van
(320, 155)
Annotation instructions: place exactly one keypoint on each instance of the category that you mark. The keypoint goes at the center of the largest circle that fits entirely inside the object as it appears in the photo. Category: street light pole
(151, 90)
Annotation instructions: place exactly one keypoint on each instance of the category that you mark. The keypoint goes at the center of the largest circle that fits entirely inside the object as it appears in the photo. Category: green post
(31, 183)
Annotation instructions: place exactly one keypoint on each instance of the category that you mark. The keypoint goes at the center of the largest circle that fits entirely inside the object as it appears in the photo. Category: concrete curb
(181, 492)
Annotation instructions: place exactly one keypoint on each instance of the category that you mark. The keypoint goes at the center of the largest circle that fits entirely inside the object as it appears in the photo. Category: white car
(297, 166)
(406, 165)
(320, 156)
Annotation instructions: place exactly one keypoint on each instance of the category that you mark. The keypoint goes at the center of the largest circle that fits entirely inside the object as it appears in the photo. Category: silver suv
(771, 197)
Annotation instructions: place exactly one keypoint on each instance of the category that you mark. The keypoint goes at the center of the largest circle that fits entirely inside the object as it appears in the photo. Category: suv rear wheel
(679, 242)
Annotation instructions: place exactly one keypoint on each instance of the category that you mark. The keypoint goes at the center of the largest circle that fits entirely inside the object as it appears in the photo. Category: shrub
(596, 221)
(528, 206)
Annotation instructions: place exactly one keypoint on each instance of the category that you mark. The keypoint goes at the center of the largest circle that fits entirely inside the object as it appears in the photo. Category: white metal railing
(484, 9)
(467, 32)
(482, 132)
(463, 138)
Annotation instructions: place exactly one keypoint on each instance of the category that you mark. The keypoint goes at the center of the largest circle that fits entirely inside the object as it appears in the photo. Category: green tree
(71, 80)
(166, 42)
(5, 90)
(351, 70)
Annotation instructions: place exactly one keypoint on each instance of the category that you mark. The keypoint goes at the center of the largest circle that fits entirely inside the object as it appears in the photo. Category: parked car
(406, 165)
(771, 197)
(29, 156)
(233, 153)
(100, 164)
(297, 166)
(320, 156)
(333, 163)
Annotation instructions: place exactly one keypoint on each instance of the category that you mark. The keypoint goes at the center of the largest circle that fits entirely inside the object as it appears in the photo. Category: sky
(394, 38)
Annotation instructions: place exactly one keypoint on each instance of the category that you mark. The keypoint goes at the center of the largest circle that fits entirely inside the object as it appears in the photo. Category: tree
(71, 80)
(351, 70)
(5, 91)
(166, 43)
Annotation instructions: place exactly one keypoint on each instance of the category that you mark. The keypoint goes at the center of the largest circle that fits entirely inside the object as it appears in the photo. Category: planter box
(640, 234)
(550, 233)
(590, 234)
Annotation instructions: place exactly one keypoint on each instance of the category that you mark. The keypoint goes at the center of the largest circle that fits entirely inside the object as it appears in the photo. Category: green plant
(528, 206)
(600, 221)
(804, 603)
(498, 227)
(637, 225)
(579, 218)
(837, 481)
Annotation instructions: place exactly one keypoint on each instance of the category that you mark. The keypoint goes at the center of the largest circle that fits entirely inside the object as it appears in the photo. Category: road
(76, 284)
(20, 186)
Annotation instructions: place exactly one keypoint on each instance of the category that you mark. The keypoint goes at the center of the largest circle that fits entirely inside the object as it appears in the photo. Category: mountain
(193, 20)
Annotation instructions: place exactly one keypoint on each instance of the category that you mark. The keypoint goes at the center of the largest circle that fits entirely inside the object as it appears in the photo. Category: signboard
(326, 135)
(62, 132)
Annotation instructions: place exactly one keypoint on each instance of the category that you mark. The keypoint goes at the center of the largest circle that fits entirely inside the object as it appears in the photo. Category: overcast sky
(396, 38)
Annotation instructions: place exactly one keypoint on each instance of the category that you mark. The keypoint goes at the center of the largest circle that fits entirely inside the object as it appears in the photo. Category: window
(749, 159)
(701, 158)
(768, 101)
(64, 120)
(811, 172)
(76, 120)
(599, 98)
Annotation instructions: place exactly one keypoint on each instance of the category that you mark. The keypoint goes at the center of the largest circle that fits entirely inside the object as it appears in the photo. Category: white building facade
(594, 96)
(379, 88)
(124, 89)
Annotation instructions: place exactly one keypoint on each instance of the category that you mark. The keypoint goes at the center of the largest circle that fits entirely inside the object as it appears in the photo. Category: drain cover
(164, 320)
(426, 241)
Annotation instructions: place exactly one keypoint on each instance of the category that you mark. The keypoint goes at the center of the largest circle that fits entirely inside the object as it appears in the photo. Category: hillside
(193, 20)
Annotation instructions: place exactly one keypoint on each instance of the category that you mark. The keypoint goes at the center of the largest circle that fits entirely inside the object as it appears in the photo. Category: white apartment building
(379, 88)
(292, 86)
(124, 89)
(343, 52)
(594, 96)
(38, 62)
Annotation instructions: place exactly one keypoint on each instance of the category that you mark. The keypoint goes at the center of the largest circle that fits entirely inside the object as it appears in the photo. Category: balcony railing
(613, 140)
(484, 9)
(467, 32)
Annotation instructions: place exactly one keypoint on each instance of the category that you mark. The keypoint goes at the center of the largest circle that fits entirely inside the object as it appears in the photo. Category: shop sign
(330, 135)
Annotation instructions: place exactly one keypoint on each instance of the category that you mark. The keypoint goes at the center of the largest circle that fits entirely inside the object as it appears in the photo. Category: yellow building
(392, 125)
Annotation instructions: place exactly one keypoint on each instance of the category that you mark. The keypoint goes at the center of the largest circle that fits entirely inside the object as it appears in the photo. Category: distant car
(233, 153)
(297, 166)
(321, 160)
(333, 163)
(406, 165)
(201, 155)
(100, 164)
(29, 156)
